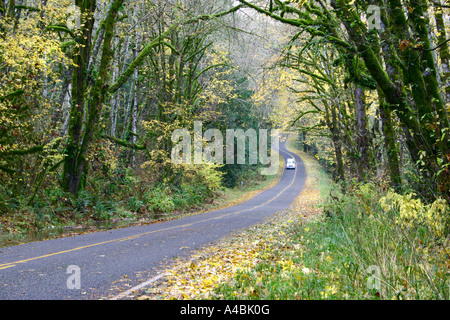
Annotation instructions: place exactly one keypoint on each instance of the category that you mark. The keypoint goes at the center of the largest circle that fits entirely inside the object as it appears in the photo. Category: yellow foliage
(412, 212)
(220, 89)
(29, 60)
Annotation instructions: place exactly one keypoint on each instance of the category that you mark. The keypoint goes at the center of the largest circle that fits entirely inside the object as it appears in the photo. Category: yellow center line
(12, 264)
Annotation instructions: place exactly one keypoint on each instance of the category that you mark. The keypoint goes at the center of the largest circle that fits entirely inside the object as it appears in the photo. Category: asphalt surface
(108, 263)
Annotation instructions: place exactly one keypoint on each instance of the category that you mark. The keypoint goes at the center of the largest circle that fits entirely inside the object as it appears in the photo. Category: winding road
(108, 263)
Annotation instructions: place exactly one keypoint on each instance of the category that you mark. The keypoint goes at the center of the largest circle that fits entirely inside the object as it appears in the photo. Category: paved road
(108, 259)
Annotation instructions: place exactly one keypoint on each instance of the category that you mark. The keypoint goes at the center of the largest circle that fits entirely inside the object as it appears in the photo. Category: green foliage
(412, 213)
(135, 204)
(51, 144)
(335, 255)
(399, 234)
(159, 200)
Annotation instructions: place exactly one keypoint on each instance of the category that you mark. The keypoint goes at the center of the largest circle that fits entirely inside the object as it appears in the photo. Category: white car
(290, 163)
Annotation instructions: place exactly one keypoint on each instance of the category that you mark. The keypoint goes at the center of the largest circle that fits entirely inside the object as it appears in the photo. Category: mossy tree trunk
(416, 99)
(444, 53)
(399, 58)
(88, 93)
(390, 146)
(362, 135)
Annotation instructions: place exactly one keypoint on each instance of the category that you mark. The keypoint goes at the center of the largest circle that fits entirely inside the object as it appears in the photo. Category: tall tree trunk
(333, 125)
(444, 53)
(115, 96)
(80, 134)
(74, 160)
(423, 133)
(134, 106)
(390, 146)
(362, 134)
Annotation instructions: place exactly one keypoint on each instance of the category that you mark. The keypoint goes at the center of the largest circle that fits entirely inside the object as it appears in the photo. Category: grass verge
(366, 244)
(370, 243)
(225, 270)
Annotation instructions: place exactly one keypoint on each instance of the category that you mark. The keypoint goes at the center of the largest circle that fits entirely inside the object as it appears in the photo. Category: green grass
(354, 249)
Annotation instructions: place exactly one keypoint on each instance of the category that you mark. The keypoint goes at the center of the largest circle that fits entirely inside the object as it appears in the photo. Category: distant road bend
(39, 270)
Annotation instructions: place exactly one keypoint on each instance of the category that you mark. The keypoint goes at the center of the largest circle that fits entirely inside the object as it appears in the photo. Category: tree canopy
(92, 91)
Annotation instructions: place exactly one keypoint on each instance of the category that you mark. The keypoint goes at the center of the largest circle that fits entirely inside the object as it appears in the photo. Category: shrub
(398, 235)
(206, 178)
(135, 204)
(411, 212)
(159, 200)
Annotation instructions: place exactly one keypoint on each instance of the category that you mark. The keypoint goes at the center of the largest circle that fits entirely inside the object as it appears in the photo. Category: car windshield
(290, 160)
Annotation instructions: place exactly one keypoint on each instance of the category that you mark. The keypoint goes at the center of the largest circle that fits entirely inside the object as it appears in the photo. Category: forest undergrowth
(132, 200)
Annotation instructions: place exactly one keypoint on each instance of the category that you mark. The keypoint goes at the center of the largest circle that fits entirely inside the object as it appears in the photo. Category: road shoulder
(199, 275)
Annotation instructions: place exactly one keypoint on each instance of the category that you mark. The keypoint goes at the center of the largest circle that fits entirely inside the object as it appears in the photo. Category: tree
(30, 61)
(396, 59)
(90, 90)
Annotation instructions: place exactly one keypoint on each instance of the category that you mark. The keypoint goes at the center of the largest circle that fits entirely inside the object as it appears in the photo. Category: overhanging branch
(125, 144)
(158, 40)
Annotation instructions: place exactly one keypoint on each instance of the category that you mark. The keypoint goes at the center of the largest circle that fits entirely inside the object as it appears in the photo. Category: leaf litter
(198, 276)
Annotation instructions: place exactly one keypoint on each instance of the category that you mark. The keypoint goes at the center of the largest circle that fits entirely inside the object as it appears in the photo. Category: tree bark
(79, 140)
(362, 134)
(390, 146)
(74, 160)
(444, 53)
